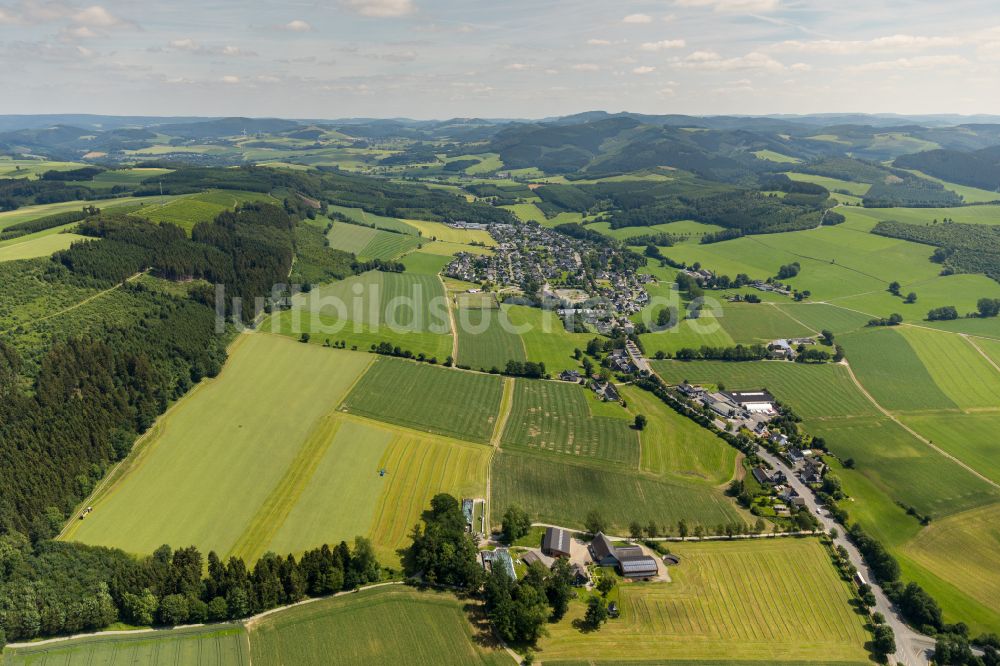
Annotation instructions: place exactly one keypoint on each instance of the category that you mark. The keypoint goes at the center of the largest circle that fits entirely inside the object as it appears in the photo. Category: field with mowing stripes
(546, 339)
(970, 437)
(43, 245)
(956, 367)
(442, 232)
(554, 417)
(379, 221)
(224, 645)
(388, 625)
(749, 601)
(200, 479)
(485, 339)
(432, 399)
(760, 322)
(187, 211)
(369, 243)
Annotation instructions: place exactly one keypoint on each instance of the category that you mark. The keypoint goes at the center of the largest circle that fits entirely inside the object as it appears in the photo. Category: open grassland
(188, 211)
(755, 601)
(683, 229)
(822, 316)
(388, 625)
(357, 335)
(889, 369)
(554, 417)
(26, 213)
(760, 322)
(444, 401)
(812, 390)
(902, 467)
(956, 367)
(772, 156)
(485, 338)
(832, 184)
(545, 338)
(425, 263)
(972, 437)
(380, 221)
(527, 212)
(961, 291)
(980, 328)
(674, 446)
(200, 479)
(27, 168)
(368, 243)
(706, 330)
(562, 490)
(220, 645)
(42, 246)
(866, 218)
(988, 346)
(969, 194)
(442, 232)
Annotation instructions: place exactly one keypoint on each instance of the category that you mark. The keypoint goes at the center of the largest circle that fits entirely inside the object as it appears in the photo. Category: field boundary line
(506, 406)
(981, 352)
(141, 448)
(451, 320)
(915, 434)
(808, 328)
(350, 389)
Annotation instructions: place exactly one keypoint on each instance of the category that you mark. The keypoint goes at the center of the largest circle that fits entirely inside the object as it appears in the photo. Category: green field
(188, 211)
(753, 602)
(220, 645)
(443, 401)
(813, 390)
(546, 339)
(823, 316)
(773, 156)
(26, 213)
(970, 437)
(832, 184)
(561, 490)
(866, 218)
(388, 625)
(379, 221)
(486, 339)
(956, 367)
(760, 322)
(425, 263)
(368, 243)
(443, 232)
(238, 466)
(683, 229)
(41, 246)
(554, 417)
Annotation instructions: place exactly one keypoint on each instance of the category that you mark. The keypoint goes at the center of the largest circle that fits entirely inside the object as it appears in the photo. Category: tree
(682, 528)
(827, 337)
(597, 613)
(559, 588)
(885, 640)
(595, 522)
(304, 337)
(516, 523)
(652, 530)
(173, 609)
(911, 297)
(442, 550)
(894, 288)
(635, 530)
(640, 422)
(606, 584)
(139, 609)
(988, 307)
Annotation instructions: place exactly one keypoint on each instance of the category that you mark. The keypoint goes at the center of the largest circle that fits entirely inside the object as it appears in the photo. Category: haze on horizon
(448, 58)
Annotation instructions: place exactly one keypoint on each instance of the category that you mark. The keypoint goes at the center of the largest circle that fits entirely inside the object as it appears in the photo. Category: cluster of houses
(744, 409)
(787, 349)
(604, 389)
(462, 224)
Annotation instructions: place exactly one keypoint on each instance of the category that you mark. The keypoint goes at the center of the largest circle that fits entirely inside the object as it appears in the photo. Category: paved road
(912, 648)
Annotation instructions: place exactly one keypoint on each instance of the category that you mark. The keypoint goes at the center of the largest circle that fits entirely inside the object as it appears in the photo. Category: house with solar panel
(556, 542)
(631, 561)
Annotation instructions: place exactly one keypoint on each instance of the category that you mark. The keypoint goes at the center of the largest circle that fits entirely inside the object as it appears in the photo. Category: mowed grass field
(486, 339)
(760, 602)
(41, 246)
(380, 221)
(387, 625)
(221, 645)
(970, 437)
(554, 417)
(188, 211)
(545, 338)
(956, 366)
(369, 243)
(198, 478)
(443, 401)
(760, 323)
(442, 232)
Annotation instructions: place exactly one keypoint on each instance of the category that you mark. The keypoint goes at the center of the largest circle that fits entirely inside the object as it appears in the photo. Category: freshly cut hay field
(43, 245)
(388, 625)
(379, 221)
(989, 347)
(427, 398)
(760, 322)
(689, 333)
(527, 212)
(425, 263)
(350, 237)
(201, 479)
(889, 368)
(674, 446)
(764, 601)
(546, 339)
(220, 645)
(554, 417)
(970, 437)
(442, 232)
(449, 249)
(485, 338)
(561, 490)
(772, 156)
(902, 467)
(964, 550)
(369, 243)
(813, 391)
(822, 316)
(956, 367)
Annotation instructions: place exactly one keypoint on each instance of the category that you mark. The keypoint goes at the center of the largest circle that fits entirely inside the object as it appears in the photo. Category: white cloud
(733, 6)
(855, 47)
(81, 32)
(298, 25)
(644, 69)
(586, 67)
(184, 45)
(7, 18)
(800, 67)
(710, 60)
(380, 8)
(663, 45)
(599, 42)
(517, 66)
(229, 78)
(918, 62)
(638, 18)
(97, 16)
(85, 52)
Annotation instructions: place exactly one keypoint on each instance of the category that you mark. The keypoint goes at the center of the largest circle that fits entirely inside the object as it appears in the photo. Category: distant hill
(980, 168)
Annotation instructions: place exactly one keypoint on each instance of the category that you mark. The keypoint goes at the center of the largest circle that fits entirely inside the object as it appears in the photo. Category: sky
(506, 59)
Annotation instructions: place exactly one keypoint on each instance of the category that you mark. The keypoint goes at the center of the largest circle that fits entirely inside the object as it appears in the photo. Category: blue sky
(446, 58)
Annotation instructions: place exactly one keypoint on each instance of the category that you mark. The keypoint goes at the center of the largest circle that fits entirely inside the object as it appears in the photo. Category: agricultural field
(379, 221)
(832, 184)
(527, 212)
(772, 156)
(813, 390)
(546, 339)
(219, 645)
(961, 291)
(423, 397)
(387, 625)
(970, 437)
(486, 339)
(41, 245)
(863, 219)
(751, 601)
(823, 316)
(26, 213)
(425, 263)
(191, 459)
(760, 323)
(32, 168)
(956, 367)
(683, 230)
(442, 232)
(691, 333)
(554, 417)
(368, 243)
(188, 211)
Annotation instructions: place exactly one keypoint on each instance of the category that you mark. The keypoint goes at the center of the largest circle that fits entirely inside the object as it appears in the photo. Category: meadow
(43, 245)
(188, 211)
(368, 243)
(485, 338)
(379, 221)
(554, 417)
(219, 645)
(442, 232)
(388, 625)
(545, 338)
(752, 601)
(970, 437)
(443, 401)
(956, 366)
(823, 316)
(760, 322)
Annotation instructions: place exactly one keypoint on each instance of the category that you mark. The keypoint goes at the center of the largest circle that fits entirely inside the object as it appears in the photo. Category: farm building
(556, 542)
(570, 376)
(755, 402)
(533, 556)
(499, 559)
(631, 561)
(642, 566)
(602, 551)
(468, 507)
